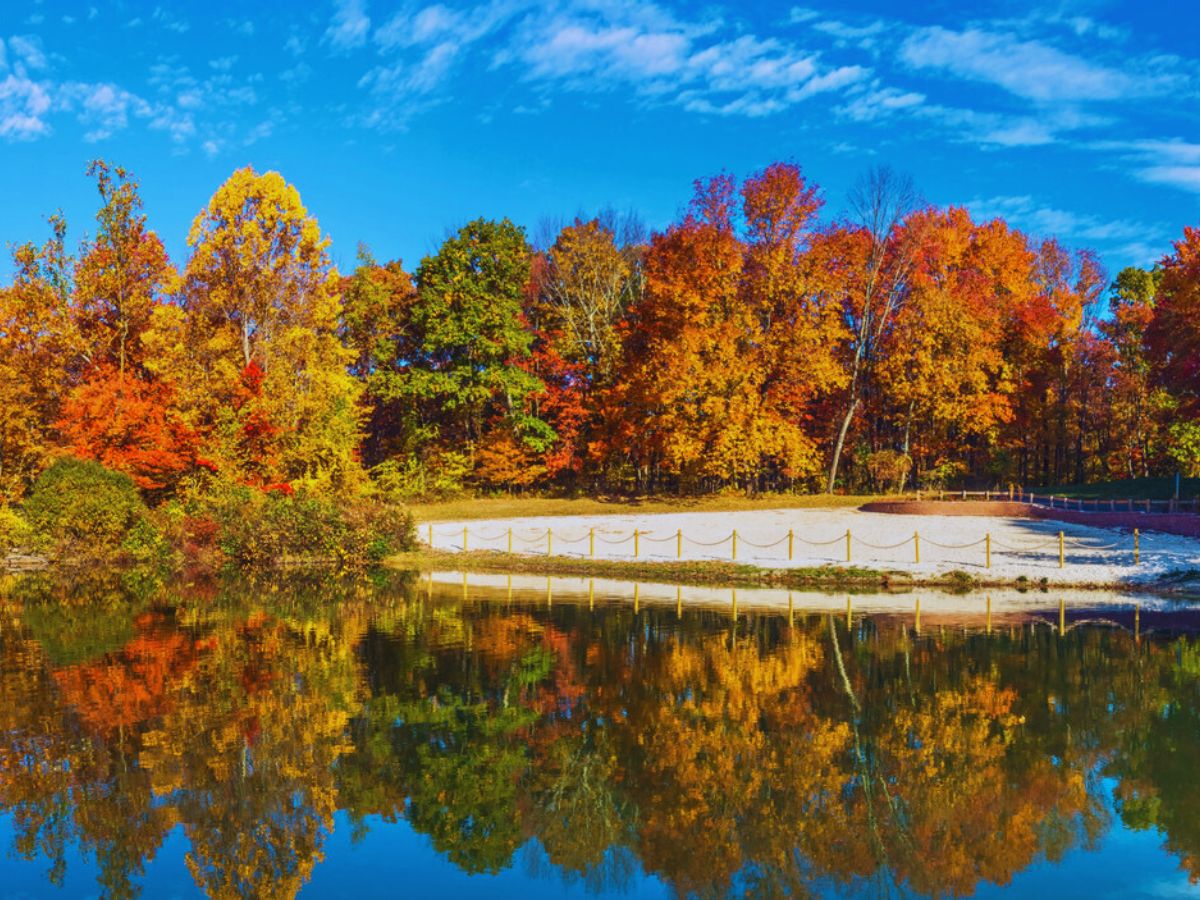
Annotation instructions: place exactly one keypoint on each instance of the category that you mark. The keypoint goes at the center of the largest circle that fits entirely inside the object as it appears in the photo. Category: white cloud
(23, 108)
(350, 25)
(170, 22)
(1029, 69)
(881, 102)
(27, 52)
(103, 109)
(1136, 241)
(1172, 163)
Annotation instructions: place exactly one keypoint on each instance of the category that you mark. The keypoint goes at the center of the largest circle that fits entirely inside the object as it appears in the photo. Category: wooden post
(917, 547)
(549, 594)
(464, 586)
(1137, 622)
(1062, 551)
(635, 598)
(431, 537)
(791, 543)
(917, 623)
(989, 613)
(636, 537)
(987, 550)
(1062, 617)
(1010, 493)
(464, 539)
(847, 545)
(679, 543)
(734, 553)
(510, 540)
(678, 602)
(592, 543)
(849, 613)
(791, 611)
(549, 541)
(733, 599)
(591, 593)
(508, 596)
(1137, 547)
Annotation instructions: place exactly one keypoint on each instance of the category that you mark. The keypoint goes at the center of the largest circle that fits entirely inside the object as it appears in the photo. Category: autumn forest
(754, 343)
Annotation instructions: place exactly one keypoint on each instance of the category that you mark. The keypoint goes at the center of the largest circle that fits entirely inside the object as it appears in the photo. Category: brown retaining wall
(1002, 508)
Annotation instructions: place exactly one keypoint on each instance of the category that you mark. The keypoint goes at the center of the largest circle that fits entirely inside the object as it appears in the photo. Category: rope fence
(1074, 504)
(543, 541)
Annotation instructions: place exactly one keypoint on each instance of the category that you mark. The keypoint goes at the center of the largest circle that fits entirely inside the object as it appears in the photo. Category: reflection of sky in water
(422, 639)
(392, 860)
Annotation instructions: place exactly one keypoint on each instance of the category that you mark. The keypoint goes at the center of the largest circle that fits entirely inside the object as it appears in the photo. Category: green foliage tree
(79, 508)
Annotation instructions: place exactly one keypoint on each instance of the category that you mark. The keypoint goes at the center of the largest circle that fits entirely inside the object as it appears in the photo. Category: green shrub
(256, 529)
(15, 532)
(79, 509)
(404, 478)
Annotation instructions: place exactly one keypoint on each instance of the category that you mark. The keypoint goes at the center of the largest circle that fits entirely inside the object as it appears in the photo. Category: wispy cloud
(1026, 68)
(1132, 240)
(350, 25)
(1173, 163)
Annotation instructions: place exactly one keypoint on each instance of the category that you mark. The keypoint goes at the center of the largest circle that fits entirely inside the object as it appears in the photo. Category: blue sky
(400, 120)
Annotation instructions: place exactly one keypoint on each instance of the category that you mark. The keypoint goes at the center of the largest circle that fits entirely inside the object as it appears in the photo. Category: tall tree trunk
(837, 447)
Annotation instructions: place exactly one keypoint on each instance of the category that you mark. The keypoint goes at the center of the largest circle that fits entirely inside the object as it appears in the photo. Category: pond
(495, 737)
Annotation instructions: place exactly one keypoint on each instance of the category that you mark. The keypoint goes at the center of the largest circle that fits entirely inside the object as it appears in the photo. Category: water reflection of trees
(764, 758)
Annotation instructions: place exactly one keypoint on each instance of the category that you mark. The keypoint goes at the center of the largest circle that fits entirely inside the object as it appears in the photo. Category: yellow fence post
(917, 547)
(791, 543)
(917, 622)
(679, 543)
(431, 537)
(1062, 551)
(508, 596)
(592, 542)
(847, 545)
(1137, 547)
(510, 540)
(733, 598)
(464, 539)
(1062, 616)
(733, 550)
(678, 602)
(635, 598)
(1137, 622)
(549, 541)
(591, 593)
(987, 550)
(849, 613)
(636, 538)
(791, 611)
(989, 613)
(549, 593)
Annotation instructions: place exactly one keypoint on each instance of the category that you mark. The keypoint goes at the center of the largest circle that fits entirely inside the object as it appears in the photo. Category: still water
(423, 736)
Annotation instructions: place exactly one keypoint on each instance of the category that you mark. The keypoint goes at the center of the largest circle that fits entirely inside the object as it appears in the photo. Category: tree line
(750, 344)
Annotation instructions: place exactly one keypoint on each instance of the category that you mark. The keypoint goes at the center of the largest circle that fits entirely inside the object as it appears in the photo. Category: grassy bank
(509, 507)
(708, 573)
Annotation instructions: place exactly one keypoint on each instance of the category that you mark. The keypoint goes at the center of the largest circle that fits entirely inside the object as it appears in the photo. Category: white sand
(1019, 546)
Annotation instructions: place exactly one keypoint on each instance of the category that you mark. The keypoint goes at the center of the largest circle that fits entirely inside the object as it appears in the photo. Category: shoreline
(714, 573)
